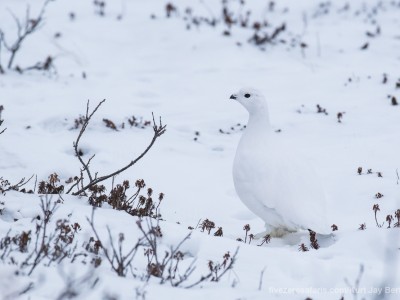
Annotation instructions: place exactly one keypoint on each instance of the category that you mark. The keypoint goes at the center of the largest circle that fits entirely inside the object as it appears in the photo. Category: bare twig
(24, 29)
(202, 279)
(1, 108)
(17, 294)
(26, 289)
(186, 274)
(75, 184)
(34, 186)
(42, 238)
(160, 266)
(213, 271)
(75, 286)
(159, 129)
(87, 118)
(261, 279)
(229, 266)
(45, 65)
(7, 186)
(119, 262)
(355, 288)
(1, 41)
(21, 183)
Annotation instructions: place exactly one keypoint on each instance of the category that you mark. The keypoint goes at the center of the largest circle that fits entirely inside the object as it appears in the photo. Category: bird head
(251, 99)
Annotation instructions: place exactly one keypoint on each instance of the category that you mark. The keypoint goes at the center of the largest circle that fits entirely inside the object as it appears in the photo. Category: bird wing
(283, 186)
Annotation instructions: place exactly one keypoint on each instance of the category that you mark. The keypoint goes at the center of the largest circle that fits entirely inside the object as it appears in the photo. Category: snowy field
(342, 56)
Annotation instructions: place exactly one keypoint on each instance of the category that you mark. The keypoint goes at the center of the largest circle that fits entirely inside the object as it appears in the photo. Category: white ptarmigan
(271, 180)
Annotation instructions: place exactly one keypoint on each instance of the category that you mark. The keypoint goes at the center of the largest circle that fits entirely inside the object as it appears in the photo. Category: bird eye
(247, 95)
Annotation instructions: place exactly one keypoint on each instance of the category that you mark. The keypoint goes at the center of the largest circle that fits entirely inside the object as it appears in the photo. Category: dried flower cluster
(49, 246)
(134, 204)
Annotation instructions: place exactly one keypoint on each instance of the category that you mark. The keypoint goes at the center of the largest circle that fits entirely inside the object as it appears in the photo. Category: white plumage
(271, 180)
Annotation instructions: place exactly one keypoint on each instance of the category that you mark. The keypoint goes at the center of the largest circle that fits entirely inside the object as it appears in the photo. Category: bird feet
(276, 232)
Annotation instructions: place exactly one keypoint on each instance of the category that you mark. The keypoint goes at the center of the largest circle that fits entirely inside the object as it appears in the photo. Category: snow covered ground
(141, 62)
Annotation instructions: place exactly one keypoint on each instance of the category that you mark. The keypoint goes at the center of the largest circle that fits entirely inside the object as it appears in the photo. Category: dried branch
(157, 266)
(75, 286)
(261, 279)
(86, 121)
(354, 288)
(1, 41)
(1, 122)
(6, 186)
(119, 262)
(265, 240)
(214, 269)
(24, 29)
(159, 129)
(43, 239)
(46, 65)
(1, 106)
(77, 181)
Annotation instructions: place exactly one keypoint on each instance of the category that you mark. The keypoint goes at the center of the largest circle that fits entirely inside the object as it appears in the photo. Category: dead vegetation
(134, 204)
(133, 122)
(99, 7)
(313, 240)
(87, 183)
(168, 266)
(1, 108)
(56, 240)
(26, 27)
(369, 171)
(83, 184)
(6, 186)
(53, 242)
(235, 14)
(389, 218)
(50, 243)
(233, 129)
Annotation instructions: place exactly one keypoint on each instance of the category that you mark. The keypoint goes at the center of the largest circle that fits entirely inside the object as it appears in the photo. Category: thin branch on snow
(214, 269)
(164, 268)
(43, 238)
(75, 286)
(6, 186)
(354, 288)
(119, 262)
(159, 129)
(76, 143)
(1, 106)
(25, 28)
(1, 41)
(261, 279)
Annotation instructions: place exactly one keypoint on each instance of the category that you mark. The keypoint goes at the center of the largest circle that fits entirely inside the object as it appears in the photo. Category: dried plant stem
(159, 129)
(218, 276)
(261, 279)
(29, 26)
(119, 262)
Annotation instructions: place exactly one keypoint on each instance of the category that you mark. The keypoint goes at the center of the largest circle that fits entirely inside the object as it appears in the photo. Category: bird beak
(233, 97)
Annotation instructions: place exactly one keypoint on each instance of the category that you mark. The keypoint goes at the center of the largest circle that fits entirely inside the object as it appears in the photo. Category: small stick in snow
(159, 129)
(261, 279)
